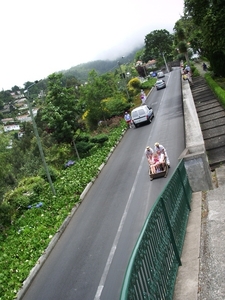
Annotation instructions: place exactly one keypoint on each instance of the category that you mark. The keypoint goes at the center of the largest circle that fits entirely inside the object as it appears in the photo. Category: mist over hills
(81, 71)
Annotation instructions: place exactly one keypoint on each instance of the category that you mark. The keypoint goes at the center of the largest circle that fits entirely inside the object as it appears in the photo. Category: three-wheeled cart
(161, 172)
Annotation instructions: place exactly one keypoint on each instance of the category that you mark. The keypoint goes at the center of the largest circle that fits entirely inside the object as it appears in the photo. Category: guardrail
(153, 265)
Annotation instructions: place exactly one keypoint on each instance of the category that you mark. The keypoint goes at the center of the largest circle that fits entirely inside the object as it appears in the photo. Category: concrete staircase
(212, 121)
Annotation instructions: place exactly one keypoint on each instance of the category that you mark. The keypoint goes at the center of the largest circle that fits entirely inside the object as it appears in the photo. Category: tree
(139, 54)
(15, 89)
(181, 39)
(156, 43)
(60, 111)
(92, 94)
(209, 16)
(6, 174)
(5, 97)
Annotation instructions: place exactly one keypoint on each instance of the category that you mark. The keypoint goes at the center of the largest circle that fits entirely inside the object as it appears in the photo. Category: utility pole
(38, 138)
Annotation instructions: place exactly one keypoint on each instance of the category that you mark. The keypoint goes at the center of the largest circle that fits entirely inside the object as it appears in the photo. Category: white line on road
(115, 242)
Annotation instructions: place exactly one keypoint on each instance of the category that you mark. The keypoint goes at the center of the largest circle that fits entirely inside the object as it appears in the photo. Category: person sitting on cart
(155, 166)
(161, 157)
(162, 150)
(149, 154)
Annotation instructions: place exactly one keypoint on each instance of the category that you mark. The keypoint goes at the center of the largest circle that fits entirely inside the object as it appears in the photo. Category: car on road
(153, 74)
(160, 74)
(142, 114)
(160, 84)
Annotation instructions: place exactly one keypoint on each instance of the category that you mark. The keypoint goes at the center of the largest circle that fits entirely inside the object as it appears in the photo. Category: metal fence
(153, 266)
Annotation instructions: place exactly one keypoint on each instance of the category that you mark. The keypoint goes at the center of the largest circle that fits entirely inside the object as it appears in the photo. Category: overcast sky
(46, 36)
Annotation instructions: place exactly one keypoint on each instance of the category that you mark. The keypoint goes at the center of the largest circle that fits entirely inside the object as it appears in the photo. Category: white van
(160, 75)
(142, 114)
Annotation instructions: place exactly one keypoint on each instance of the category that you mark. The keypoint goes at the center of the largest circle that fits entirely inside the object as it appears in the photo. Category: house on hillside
(24, 118)
(11, 127)
(151, 64)
(7, 120)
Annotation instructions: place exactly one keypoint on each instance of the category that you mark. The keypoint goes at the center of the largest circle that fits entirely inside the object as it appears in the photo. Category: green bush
(83, 148)
(195, 72)
(116, 106)
(52, 171)
(100, 139)
(149, 83)
(83, 137)
(134, 83)
(218, 91)
(39, 187)
(5, 216)
(134, 86)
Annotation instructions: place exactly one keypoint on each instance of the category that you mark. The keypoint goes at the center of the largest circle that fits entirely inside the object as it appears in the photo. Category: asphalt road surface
(89, 261)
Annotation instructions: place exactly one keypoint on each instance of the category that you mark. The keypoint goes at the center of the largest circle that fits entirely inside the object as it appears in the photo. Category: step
(212, 124)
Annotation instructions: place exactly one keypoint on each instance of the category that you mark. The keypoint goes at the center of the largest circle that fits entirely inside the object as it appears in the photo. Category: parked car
(160, 84)
(160, 74)
(142, 114)
(153, 74)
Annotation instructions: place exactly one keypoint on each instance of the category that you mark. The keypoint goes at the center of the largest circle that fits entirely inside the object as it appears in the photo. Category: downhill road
(90, 259)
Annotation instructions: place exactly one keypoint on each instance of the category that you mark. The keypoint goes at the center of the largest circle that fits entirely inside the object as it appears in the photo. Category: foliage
(134, 83)
(100, 139)
(134, 86)
(29, 235)
(5, 216)
(139, 54)
(58, 154)
(181, 39)
(156, 43)
(219, 92)
(84, 147)
(92, 94)
(149, 83)
(83, 137)
(53, 172)
(141, 70)
(5, 97)
(81, 71)
(115, 106)
(5, 165)
(60, 111)
(210, 20)
(194, 71)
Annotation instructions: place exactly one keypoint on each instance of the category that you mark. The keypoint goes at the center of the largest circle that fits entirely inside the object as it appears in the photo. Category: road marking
(116, 240)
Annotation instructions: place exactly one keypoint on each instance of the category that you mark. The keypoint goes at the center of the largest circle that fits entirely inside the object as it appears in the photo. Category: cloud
(50, 36)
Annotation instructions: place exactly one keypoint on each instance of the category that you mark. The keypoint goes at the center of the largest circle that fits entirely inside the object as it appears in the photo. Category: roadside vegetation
(78, 123)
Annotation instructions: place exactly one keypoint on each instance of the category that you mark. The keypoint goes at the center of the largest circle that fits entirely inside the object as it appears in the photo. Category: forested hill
(100, 66)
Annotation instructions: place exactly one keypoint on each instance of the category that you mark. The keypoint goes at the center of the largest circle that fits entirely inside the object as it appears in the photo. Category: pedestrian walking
(143, 97)
(127, 118)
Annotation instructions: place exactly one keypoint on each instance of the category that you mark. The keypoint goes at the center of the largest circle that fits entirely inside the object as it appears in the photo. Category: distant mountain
(100, 66)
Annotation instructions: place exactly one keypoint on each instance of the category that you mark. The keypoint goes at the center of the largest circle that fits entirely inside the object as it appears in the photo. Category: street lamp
(37, 137)
(123, 78)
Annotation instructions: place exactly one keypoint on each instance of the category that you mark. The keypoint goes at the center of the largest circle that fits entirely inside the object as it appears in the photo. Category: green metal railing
(153, 266)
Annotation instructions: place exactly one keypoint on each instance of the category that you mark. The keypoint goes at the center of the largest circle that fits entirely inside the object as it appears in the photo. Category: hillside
(100, 66)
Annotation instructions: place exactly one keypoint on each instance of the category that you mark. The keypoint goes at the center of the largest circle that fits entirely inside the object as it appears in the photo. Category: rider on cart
(161, 150)
(149, 154)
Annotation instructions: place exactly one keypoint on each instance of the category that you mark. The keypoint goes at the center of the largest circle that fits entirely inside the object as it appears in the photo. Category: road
(90, 259)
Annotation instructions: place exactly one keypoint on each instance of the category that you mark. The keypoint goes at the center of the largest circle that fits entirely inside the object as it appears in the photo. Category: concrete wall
(195, 158)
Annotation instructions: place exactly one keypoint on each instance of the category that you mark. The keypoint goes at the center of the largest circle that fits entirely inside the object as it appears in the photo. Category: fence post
(185, 193)
(171, 233)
